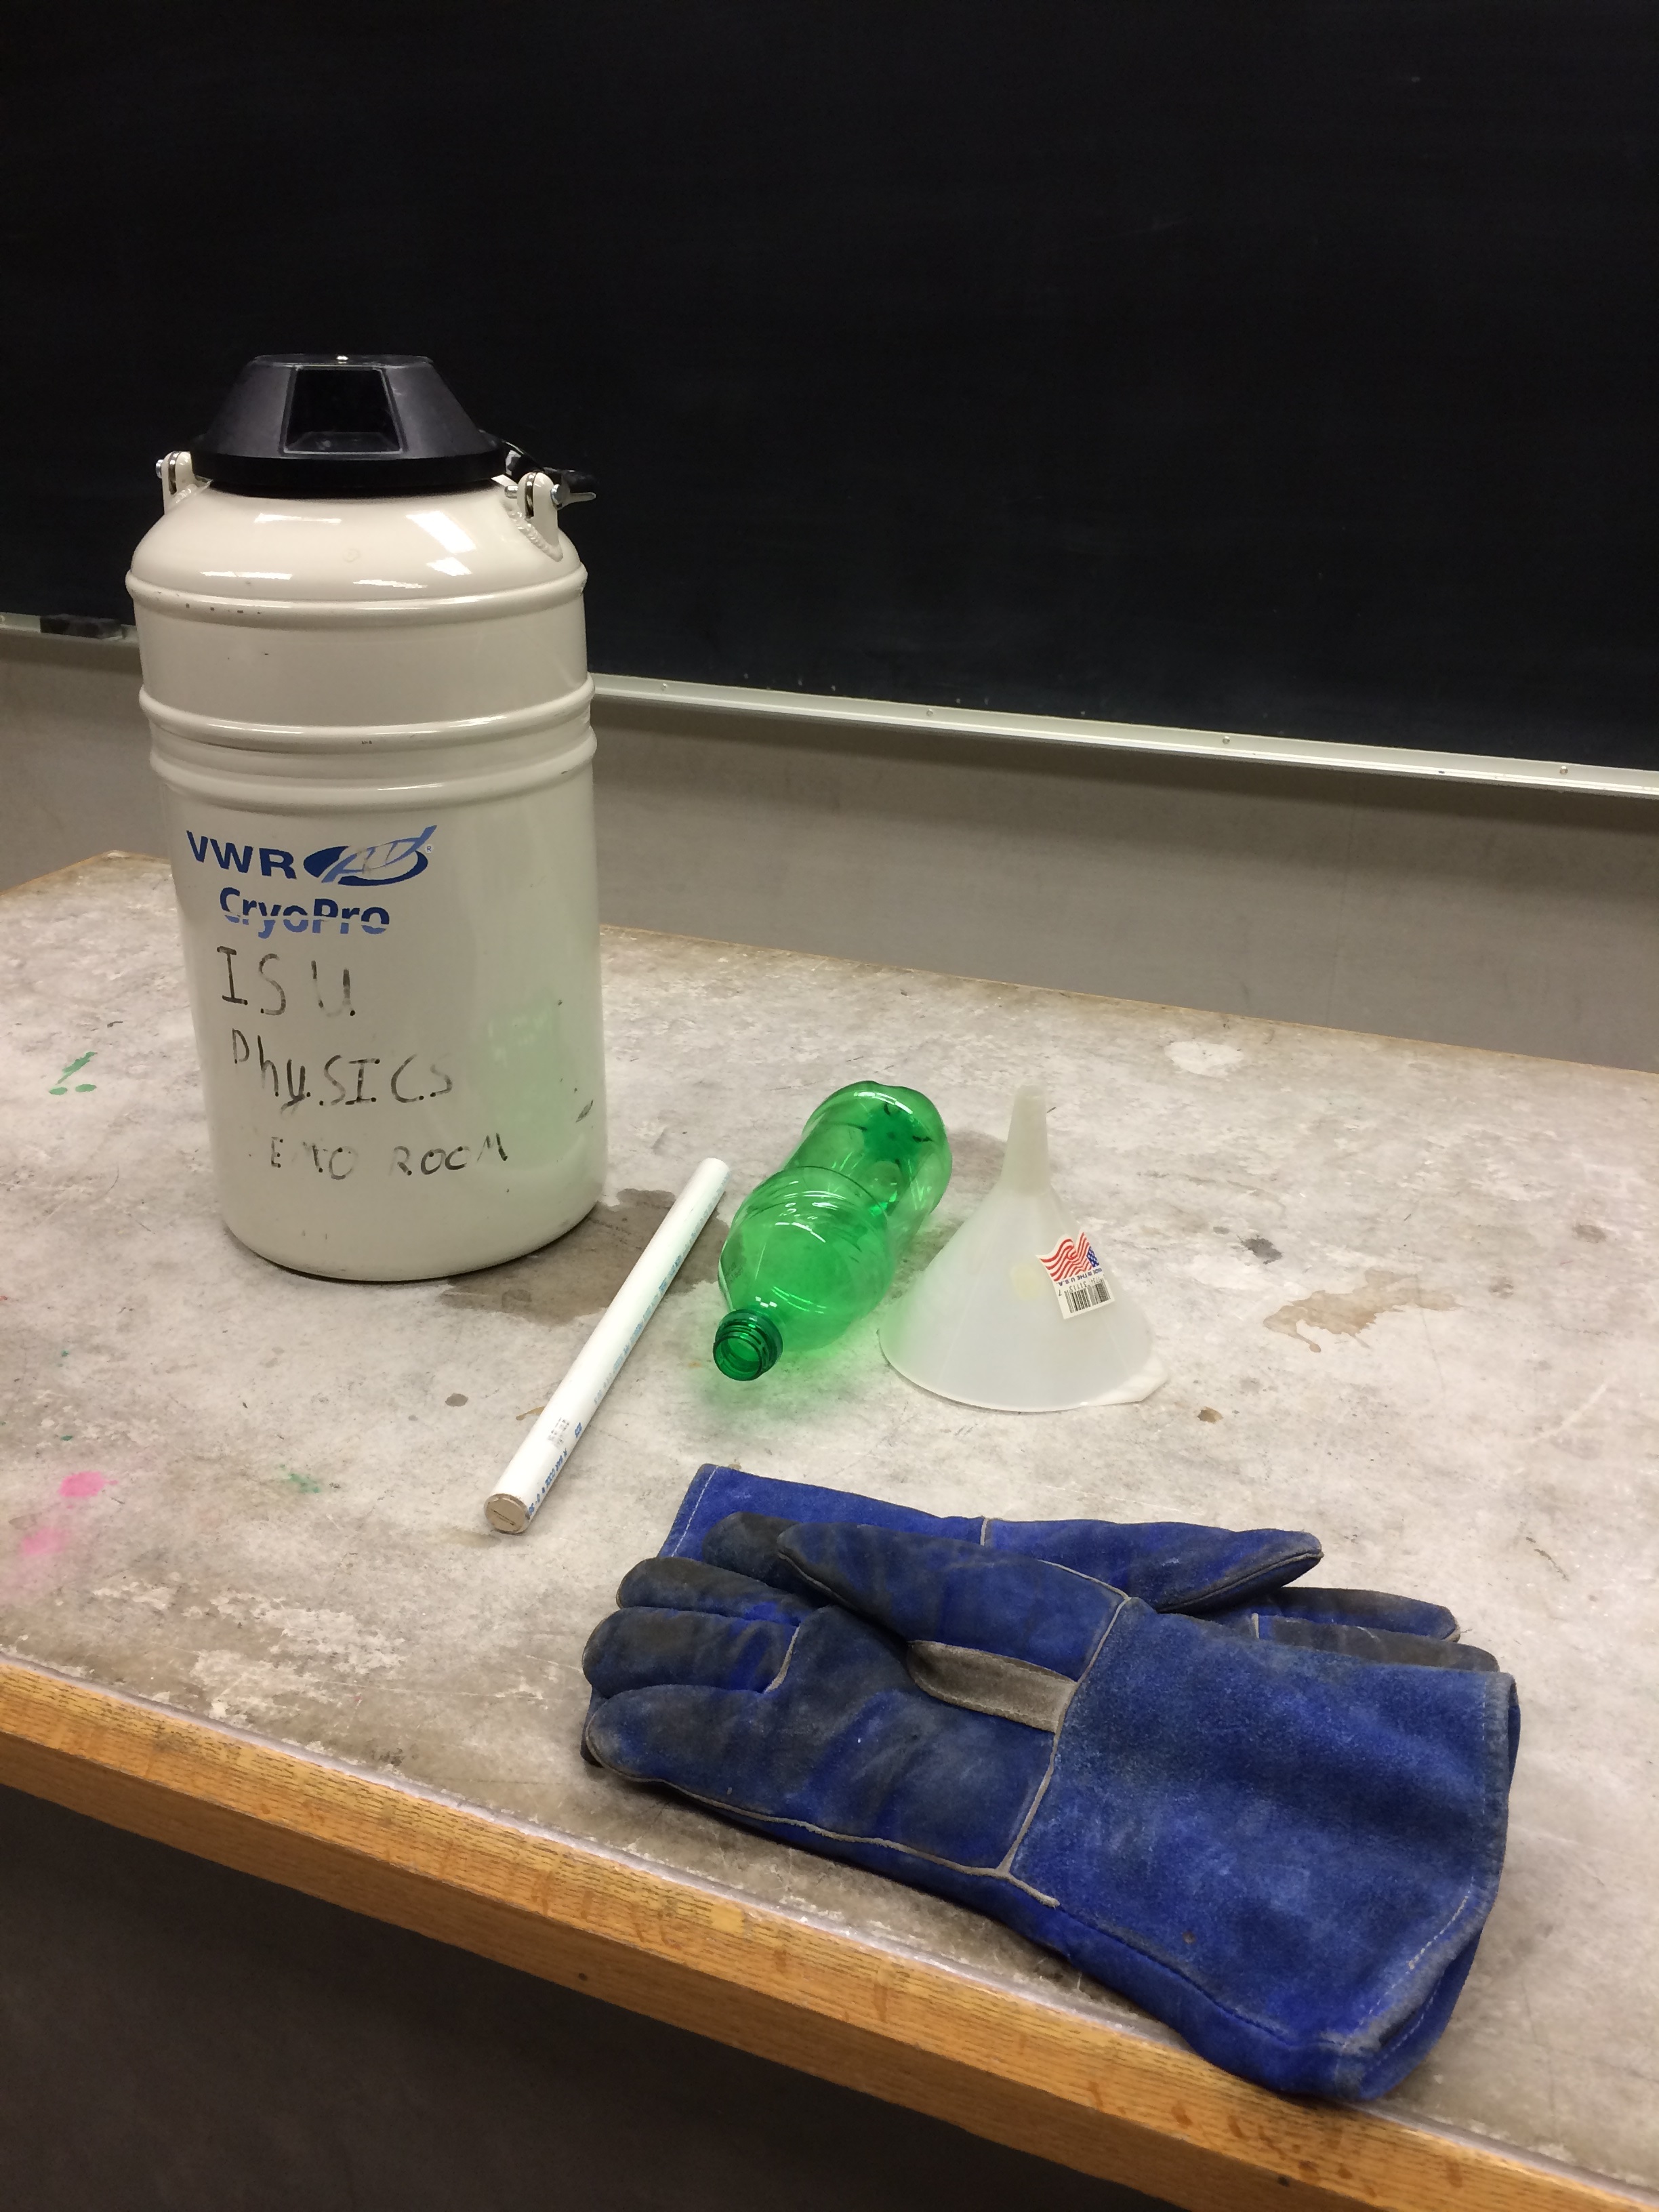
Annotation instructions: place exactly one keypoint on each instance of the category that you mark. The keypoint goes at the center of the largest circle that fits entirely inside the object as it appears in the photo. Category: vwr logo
(361, 866)
(356, 866)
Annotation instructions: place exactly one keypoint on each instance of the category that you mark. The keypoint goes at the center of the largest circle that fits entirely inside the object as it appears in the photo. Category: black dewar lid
(344, 426)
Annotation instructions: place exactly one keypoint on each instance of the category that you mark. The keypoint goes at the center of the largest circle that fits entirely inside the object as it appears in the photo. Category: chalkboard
(1287, 369)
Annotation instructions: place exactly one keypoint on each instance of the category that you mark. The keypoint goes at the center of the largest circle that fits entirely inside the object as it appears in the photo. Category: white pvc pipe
(538, 1462)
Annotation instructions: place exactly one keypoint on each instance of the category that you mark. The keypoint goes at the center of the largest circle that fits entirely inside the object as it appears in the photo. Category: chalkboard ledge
(657, 697)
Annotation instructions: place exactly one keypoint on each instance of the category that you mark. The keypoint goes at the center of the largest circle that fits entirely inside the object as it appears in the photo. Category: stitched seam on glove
(1491, 1869)
(989, 1682)
(1348, 2044)
(834, 1835)
(1216, 1594)
(1246, 1579)
(1006, 1864)
(1001, 1870)
(1288, 2039)
(1356, 2039)
(688, 1504)
(789, 1654)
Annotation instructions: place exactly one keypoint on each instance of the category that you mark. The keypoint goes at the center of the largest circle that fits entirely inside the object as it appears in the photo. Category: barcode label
(1074, 1269)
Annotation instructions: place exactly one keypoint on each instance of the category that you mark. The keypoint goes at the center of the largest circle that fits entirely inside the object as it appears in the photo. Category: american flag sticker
(1074, 1269)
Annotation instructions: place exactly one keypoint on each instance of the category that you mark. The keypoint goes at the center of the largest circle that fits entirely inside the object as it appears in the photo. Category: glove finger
(844, 1750)
(1356, 1642)
(689, 1586)
(679, 1734)
(643, 1646)
(939, 1589)
(747, 1544)
(720, 1739)
(1176, 1567)
(1359, 1608)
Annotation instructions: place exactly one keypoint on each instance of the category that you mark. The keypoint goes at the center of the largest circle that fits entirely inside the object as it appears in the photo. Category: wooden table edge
(997, 2061)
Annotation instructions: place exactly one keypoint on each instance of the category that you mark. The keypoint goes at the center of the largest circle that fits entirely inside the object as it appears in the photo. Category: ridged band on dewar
(354, 614)
(300, 736)
(266, 794)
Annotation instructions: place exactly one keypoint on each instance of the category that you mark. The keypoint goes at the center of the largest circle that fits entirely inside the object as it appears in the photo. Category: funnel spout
(1025, 1161)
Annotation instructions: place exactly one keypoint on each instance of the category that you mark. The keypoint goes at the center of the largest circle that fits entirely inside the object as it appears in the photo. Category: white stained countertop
(1406, 1293)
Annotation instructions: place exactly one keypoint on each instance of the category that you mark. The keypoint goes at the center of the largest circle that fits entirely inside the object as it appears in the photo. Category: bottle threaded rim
(746, 1343)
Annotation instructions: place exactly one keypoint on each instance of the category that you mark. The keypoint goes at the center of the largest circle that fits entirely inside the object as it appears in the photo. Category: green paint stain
(75, 1067)
(304, 1482)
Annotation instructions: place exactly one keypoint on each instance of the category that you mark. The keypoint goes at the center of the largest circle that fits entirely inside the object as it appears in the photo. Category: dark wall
(175, 2037)
(1282, 368)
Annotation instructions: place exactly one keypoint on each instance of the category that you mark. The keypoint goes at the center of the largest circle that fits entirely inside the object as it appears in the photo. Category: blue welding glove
(1286, 1855)
(1236, 1577)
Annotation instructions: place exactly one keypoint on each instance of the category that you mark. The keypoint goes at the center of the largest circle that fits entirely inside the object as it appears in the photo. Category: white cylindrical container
(365, 672)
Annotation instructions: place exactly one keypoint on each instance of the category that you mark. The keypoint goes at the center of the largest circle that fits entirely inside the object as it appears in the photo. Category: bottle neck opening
(746, 1344)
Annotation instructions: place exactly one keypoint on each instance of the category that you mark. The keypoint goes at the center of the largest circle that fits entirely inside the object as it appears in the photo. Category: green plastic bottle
(815, 1246)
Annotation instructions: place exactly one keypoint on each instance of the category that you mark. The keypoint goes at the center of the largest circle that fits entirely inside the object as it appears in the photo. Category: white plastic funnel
(1018, 1313)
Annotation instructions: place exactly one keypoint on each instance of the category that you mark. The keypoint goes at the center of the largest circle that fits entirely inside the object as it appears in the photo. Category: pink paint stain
(85, 1485)
(42, 1541)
